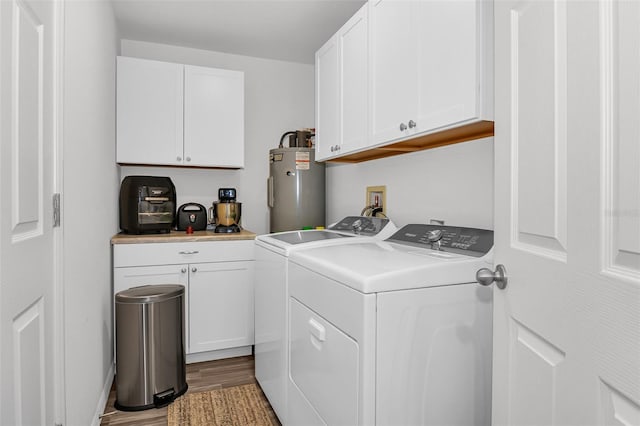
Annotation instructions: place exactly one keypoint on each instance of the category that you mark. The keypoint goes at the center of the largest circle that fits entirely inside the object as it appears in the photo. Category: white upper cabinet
(149, 112)
(179, 115)
(342, 88)
(353, 47)
(412, 75)
(393, 69)
(213, 117)
(430, 66)
(327, 98)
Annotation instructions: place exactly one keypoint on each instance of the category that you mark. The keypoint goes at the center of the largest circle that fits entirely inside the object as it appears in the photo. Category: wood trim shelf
(468, 132)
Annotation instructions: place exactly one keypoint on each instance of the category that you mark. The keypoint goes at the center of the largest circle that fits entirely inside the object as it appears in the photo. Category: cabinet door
(220, 305)
(124, 278)
(213, 117)
(447, 49)
(327, 96)
(393, 69)
(149, 112)
(353, 41)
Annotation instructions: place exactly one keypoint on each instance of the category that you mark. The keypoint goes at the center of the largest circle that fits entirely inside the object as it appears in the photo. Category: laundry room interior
(320, 212)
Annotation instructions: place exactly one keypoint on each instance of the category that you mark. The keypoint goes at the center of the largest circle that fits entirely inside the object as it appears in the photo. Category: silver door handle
(189, 252)
(485, 276)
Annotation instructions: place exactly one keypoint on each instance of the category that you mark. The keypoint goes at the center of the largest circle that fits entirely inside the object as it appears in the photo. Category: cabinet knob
(183, 270)
(337, 147)
(412, 124)
(194, 269)
(178, 158)
(333, 148)
(188, 158)
(403, 127)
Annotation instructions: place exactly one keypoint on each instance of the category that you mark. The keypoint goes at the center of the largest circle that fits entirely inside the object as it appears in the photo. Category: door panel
(538, 152)
(566, 335)
(28, 117)
(27, 137)
(620, 140)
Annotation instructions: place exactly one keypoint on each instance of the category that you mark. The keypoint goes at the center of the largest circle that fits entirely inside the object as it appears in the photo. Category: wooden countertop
(181, 236)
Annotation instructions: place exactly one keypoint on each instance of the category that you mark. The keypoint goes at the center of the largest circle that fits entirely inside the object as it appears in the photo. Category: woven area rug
(238, 405)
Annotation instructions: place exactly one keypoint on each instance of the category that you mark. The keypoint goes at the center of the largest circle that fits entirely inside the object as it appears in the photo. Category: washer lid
(301, 237)
(150, 293)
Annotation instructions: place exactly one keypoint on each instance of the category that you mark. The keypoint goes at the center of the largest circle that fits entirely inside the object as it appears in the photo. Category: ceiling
(288, 30)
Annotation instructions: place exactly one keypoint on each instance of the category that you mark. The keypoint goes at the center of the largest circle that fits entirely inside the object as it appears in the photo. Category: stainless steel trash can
(150, 350)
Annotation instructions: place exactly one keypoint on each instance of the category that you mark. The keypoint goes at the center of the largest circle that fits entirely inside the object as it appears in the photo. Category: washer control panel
(361, 225)
(469, 241)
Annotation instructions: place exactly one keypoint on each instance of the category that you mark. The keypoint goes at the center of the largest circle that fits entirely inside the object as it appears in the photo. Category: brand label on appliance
(302, 161)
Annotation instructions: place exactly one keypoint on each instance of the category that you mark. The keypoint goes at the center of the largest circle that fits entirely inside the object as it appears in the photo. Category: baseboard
(102, 402)
(219, 354)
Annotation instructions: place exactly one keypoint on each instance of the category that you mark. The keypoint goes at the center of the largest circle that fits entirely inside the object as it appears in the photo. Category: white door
(28, 72)
(567, 326)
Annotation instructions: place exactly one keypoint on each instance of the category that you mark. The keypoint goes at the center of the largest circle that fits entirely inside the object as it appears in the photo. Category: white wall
(453, 183)
(279, 96)
(90, 188)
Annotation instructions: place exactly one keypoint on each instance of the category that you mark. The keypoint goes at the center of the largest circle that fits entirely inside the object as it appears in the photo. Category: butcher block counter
(216, 271)
(181, 236)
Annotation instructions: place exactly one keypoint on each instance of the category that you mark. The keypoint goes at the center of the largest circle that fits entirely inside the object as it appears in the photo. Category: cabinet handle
(189, 252)
(183, 270)
(178, 158)
(188, 158)
(403, 127)
(412, 124)
(194, 269)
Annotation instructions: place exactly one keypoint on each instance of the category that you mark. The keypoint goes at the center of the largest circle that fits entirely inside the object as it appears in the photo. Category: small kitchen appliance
(225, 213)
(147, 204)
(193, 215)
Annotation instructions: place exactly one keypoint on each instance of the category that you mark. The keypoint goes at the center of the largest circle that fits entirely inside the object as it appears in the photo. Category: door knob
(194, 269)
(412, 124)
(403, 127)
(485, 276)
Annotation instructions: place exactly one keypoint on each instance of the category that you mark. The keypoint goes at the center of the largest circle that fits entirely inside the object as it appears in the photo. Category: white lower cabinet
(220, 305)
(218, 287)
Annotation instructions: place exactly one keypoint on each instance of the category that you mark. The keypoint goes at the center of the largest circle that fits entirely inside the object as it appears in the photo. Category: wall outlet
(377, 197)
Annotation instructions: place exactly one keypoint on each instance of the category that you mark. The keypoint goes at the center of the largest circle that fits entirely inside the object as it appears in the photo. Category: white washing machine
(396, 332)
(271, 307)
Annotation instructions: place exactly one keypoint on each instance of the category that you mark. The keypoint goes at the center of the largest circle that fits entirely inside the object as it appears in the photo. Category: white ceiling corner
(288, 30)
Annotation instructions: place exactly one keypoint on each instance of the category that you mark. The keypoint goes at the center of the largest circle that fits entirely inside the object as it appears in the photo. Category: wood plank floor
(202, 376)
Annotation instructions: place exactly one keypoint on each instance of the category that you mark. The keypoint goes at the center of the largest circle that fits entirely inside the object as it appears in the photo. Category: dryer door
(324, 367)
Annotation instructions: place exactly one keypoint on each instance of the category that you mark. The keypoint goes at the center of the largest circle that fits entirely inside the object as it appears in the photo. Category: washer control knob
(435, 235)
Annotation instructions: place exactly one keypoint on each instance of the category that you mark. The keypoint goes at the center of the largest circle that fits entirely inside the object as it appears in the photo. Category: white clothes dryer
(271, 307)
(396, 332)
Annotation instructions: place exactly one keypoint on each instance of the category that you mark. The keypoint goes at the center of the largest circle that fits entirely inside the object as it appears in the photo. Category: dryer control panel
(455, 239)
